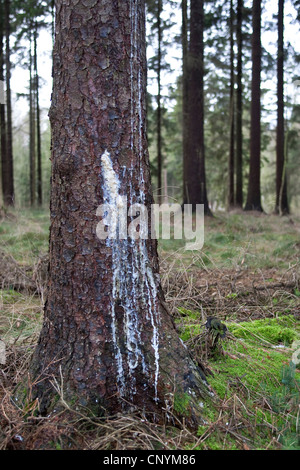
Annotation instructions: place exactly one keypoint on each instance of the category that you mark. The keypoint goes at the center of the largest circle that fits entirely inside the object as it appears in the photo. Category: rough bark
(239, 109)
(282, 206)
(195, 182)
(107, 339)
(254, 194)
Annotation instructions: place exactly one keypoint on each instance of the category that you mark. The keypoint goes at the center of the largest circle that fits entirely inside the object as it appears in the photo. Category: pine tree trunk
(52, 21)
(230, 200)
(32, 149)
(159, 110)
(38, 122)
(239, 109)
(282, 206)
(107, 339)
(8, 189)
(254, 195)
(195, 168)
(185, 105)
(4, 169)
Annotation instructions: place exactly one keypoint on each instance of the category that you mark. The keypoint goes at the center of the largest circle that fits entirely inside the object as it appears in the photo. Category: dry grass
(238, 294)
(198, 282)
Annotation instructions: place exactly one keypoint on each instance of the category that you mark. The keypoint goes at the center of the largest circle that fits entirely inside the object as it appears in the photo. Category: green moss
(189, 314)
(181, 403)
(273, 330)
(258, 371)
(189, 323)
(253, 381)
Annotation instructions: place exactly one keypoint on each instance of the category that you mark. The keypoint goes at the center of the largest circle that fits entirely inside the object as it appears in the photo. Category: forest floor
(247, 275)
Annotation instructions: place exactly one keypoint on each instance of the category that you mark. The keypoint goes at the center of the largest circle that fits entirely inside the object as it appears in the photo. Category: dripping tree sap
(107, 341)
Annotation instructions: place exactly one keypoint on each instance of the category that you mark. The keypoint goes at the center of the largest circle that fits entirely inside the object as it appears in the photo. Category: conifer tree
(108, 342)
(239, 109)
(254, 189)
(7, 156)
(195, 191)
(282, 206)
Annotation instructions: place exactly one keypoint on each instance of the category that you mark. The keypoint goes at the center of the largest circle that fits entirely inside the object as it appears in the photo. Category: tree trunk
(239, 109)
(159, 110)
(195, 168)
(52, 21)
(32, 155)
(4, 169)
(38, 121)
(282, 206)
(107, 340)
(230, 200)
(165, 198)
(254, 196)
(185, 104)
(8, 189)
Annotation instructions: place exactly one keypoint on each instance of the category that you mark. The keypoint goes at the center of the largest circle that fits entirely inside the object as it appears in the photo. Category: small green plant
(232, 295)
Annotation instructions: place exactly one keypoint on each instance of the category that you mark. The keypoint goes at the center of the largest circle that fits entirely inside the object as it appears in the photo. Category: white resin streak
(133, 279)
(145, 268)
(111, 193)
(133, 284)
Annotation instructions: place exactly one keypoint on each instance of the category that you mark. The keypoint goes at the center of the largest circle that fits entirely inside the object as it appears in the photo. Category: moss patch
(256, 386)
(181, 403)
(282, 329)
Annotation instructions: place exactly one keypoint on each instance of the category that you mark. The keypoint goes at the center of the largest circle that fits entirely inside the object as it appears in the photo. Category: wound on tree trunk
(107, 339)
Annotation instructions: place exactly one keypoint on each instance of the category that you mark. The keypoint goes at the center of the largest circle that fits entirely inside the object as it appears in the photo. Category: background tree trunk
(32, 129)
(230, 200)
(159, 110)
(8, 189)
(38, 122)
(254, 195)
(185, 88)
(195, 168)
(4, 169)
(239, 109)
(282, 205)
(107, 339)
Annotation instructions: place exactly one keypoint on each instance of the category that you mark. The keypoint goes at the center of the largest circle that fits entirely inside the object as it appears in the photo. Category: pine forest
(149, 227)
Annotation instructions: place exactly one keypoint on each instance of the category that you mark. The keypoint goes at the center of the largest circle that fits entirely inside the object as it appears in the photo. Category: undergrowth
(247, 275)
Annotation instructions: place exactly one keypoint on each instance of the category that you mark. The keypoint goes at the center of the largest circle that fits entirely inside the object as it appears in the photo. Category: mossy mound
(279, 330)
(256, 385)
